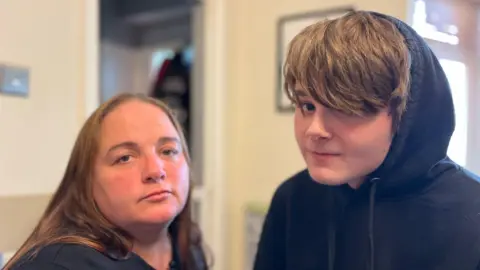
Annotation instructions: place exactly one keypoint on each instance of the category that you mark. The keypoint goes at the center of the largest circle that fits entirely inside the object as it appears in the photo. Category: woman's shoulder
(71, 257)
(57, 256)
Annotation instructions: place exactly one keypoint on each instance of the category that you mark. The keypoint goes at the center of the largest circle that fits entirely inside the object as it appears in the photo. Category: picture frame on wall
(287, 28)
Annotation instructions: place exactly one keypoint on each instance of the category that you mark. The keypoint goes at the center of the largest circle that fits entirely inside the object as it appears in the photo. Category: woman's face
(141, 176)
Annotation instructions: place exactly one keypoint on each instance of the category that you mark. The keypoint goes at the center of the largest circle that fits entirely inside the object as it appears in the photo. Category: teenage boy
(373, 120)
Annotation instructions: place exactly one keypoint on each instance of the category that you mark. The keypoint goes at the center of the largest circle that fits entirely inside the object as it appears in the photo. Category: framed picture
(287, 28)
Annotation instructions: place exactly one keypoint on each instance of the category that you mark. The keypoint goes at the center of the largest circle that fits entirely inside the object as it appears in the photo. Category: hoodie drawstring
(331, 233)
(371, 219)
(331, 245)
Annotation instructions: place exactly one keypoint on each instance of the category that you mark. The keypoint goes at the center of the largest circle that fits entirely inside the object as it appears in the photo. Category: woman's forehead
(136, 120)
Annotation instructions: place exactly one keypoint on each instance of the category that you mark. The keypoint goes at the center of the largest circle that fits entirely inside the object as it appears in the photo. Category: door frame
(91, 64)
(210, 112)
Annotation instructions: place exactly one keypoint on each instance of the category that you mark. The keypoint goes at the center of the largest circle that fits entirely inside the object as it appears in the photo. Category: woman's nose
(154, 169)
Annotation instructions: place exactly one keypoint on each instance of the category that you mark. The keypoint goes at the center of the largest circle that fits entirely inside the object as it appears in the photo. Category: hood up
(426, 126)
(421, 141)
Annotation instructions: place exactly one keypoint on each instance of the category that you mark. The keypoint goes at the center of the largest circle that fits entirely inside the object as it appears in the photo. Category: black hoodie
(417, 211)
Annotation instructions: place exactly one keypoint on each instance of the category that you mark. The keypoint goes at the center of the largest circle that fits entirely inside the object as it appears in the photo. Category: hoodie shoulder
(291, 195)
(299, 189)
(299, 178)
(458, 187)
(298, 183)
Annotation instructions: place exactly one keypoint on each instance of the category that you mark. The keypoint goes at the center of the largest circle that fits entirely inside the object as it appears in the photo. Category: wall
(125, 68)
(262, 151)
(117, 62)
(37, 133)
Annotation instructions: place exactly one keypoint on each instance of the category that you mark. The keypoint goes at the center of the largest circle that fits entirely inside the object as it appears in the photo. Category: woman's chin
(159, 216)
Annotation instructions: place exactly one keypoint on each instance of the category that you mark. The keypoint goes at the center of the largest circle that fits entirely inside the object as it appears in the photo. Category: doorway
(127, 41)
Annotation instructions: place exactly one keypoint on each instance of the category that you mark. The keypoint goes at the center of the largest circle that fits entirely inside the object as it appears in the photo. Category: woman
(124, 201)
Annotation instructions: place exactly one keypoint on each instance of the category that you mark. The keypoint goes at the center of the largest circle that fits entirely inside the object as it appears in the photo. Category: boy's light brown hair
(357, 64)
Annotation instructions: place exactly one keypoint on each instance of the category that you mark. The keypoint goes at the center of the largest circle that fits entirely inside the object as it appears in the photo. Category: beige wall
(262, 149)
(37, 133)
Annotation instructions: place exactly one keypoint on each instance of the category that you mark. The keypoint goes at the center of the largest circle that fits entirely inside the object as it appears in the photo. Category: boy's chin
(327, 176)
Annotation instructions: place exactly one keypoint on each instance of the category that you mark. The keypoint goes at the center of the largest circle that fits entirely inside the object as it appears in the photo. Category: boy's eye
(307, 106)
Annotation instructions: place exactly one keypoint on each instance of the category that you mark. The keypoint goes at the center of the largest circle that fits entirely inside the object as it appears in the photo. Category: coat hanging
(173, 87)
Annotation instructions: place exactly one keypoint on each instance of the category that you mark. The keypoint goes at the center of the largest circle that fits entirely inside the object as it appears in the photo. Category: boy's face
(340, 148)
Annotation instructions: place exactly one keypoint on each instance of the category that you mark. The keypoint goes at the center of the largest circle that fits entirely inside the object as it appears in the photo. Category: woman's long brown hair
(73, 217)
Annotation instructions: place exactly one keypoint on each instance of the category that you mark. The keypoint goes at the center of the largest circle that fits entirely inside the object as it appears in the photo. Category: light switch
(14, 80)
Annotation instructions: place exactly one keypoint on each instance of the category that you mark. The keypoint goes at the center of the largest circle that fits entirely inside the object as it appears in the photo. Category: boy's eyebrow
(300, 93)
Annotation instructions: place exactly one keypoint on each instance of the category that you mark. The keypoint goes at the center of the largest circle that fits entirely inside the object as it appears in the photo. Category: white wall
(118, 63)
(126, 69)
(37, 132)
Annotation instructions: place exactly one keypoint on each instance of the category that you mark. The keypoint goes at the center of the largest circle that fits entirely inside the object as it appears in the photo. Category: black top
(418, 211)
(80, 257)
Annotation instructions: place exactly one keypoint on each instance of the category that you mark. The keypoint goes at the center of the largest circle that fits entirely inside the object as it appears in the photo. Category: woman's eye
(170, 152)
(124, 159)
